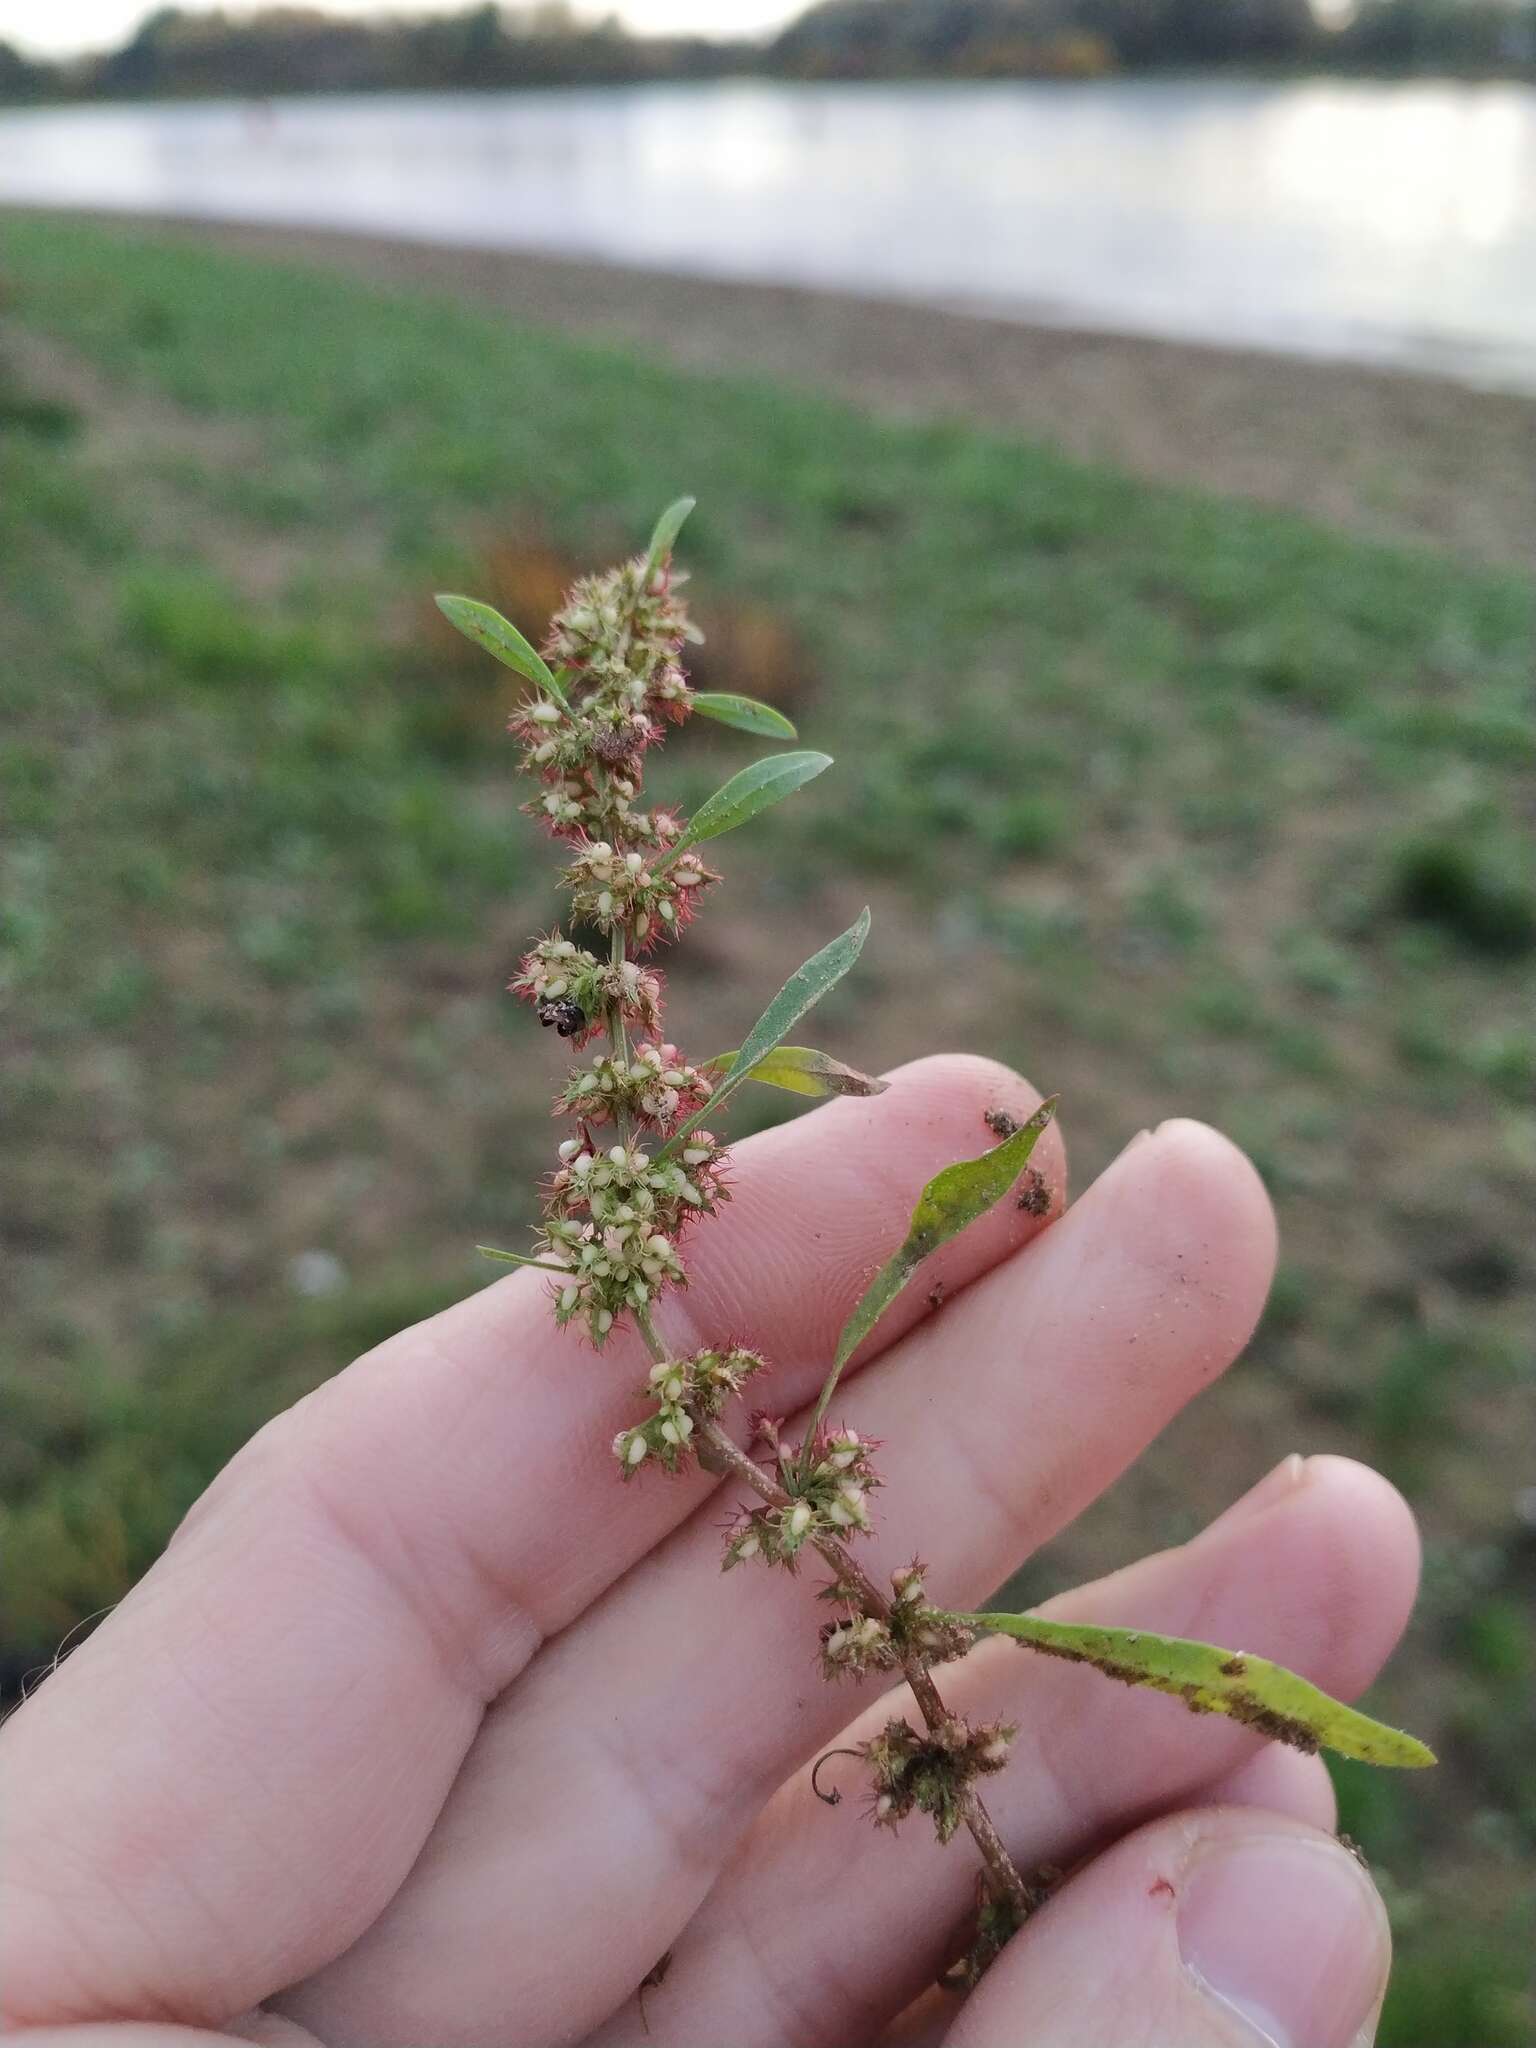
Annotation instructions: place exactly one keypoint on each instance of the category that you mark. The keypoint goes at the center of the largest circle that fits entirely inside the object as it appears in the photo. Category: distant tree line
(176, 53)
(918, 38)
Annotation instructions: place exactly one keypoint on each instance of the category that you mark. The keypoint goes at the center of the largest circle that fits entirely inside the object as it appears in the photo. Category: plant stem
(720, 1453)
(618, 1036)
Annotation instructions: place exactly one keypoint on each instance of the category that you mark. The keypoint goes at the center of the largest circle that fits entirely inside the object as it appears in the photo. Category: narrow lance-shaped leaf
(804, 988)
(745, 713)
(952, 1200)
(664, 535)
(802, 1071)
(1266, 1697)
(498, 636)
(490, 1251)
(765, 782)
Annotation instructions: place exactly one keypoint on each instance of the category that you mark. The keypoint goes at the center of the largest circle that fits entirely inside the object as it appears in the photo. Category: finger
(222, 1787)
(120, 2034)
(132, 2034)
(1279, 1780)
(1221, 1928)
(662, 1721)
(824, 1927)
(265, 2033)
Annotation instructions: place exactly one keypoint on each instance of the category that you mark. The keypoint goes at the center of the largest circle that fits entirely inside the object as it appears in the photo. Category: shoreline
(1394, 454)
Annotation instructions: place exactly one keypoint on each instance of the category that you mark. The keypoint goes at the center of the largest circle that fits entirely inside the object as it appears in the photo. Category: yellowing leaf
(804, 1072)
(951, 1200)
(1264, 1696)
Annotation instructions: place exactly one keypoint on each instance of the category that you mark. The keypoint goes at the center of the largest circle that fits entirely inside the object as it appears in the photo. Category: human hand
(425, 1732)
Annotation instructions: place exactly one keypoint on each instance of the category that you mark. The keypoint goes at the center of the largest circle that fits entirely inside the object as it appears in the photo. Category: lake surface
(1380, 222)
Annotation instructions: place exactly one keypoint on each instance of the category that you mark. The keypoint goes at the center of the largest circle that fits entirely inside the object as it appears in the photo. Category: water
(1380, 222)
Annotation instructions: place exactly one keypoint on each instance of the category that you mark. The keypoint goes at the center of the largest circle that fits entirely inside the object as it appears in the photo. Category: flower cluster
(924, 1634)
(911, 1632)
(932, 1771)
(579, 994)
(615, 643)
(682, 1388)
(613, 1213)
(584, 798)
(829, 1497)
(623, 631)
(644, 900)
(603, 733)
(611, 1220)
(652, 1085)
(859, 1644)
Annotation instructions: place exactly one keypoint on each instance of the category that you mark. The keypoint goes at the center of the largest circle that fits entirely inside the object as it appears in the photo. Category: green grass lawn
(1181, 805)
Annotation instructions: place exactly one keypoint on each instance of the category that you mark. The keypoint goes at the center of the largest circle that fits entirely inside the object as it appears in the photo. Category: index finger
(223, 1787)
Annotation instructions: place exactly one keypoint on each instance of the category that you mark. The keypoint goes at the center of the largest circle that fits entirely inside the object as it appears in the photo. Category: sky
(56, 28)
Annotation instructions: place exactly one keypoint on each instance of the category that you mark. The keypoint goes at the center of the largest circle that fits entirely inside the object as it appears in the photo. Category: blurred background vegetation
(177, 50)
(1178, 803)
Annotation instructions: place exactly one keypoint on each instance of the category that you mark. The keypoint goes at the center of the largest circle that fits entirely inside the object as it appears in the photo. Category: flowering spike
(637, 1166)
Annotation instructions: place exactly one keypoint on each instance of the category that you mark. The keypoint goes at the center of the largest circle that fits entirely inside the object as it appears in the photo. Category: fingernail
(1286, 1930)
(1273, 1487)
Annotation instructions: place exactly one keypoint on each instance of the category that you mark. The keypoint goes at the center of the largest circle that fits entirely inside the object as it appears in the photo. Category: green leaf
(664, 536)
(498, 636)
(745, 713)
(804, 1072)
(1250, 1689)
(489, 1251)
(765, 782)
(804, 988)
(952, 1200)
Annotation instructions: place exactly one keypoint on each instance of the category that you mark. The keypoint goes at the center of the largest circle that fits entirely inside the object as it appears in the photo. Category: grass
(1180, 804)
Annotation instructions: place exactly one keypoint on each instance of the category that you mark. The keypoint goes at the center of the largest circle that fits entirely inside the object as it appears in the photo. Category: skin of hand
(427, 1733)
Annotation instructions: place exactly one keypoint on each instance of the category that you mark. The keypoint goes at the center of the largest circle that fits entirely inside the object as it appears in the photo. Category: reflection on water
(1386, 222)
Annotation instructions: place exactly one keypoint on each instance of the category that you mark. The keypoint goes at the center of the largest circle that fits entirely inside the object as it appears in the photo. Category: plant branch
(615, 1211)
(722, 1454)
(618, 1036)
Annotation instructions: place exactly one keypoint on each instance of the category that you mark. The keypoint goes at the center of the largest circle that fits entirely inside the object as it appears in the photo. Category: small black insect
(567, 1017)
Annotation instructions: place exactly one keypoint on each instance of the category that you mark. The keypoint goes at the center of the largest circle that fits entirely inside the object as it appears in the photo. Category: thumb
(1221, 1928)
